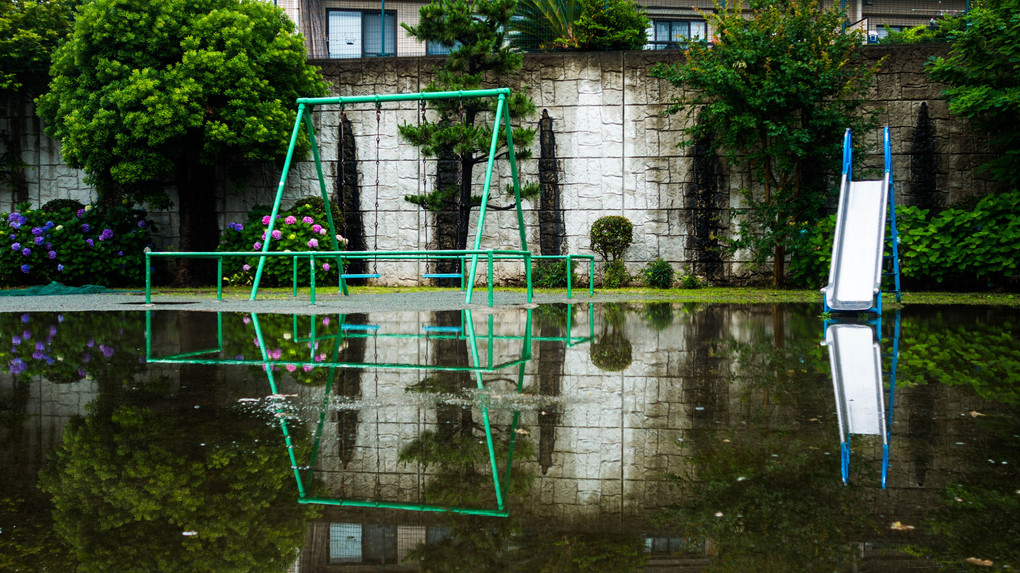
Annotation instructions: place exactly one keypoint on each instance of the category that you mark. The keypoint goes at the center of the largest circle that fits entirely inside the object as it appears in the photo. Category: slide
(856, 361)
(855, 274)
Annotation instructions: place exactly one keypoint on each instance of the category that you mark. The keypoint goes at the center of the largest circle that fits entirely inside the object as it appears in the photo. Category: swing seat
(442, 276)
(453, 329)
(361, 327)
(361, 276)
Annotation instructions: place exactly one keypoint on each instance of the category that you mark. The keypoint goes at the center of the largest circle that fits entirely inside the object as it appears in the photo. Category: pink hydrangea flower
(257, 246)
(322, 231)
(316, 228)
(266, 220)
(307, 220)
(325, 267)
(290, 220)
(313, 243)
(277, 234)
(291, 367)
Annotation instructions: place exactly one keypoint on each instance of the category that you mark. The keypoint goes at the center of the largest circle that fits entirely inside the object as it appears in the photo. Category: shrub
(616, 275)
(659, 274)
(102, 245)
(611, 352)
(690, 280)
(300, 229)
(611, 235)
(952, 249)
(62, 205)
(552, 273)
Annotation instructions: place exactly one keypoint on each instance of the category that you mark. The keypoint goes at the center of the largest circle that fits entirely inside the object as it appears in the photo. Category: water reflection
(858, 381)
(710, 442)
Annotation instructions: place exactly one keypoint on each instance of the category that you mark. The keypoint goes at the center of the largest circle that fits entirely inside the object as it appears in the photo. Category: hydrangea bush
(91, 245)
(299, 229)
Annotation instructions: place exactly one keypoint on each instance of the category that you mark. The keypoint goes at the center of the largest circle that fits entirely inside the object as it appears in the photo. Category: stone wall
(616, 154)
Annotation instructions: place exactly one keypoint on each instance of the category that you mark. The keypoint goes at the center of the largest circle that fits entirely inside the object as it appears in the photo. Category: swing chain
(378, 129)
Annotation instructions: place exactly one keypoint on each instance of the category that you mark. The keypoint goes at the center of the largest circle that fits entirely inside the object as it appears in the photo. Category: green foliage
(608, 25)
(983, 74)
(299, 229)
(158, 485)
(958, 248)
(659, 274)
(62, 206)
(543, 25)
(475, 33)
(616, 275)
(73, 347)
(775, 91)
(689, 280)
(146, 88)
(611, 352)
(659, 315)
(945, 31)
(611, 235)
(552, 274)
(29, 32)
(286, 339)
(102, 245)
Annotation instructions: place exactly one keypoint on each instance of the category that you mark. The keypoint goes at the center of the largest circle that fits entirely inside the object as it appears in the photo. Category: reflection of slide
(856, 361)
(855, 274)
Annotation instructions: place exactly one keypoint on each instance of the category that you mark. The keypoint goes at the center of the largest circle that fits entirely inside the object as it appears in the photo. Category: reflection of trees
(156, 484)
(658, 315)
(979, 515)
(767, 496)
(612, 351)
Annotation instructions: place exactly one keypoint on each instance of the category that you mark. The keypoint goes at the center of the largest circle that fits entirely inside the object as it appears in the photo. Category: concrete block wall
(616, 152)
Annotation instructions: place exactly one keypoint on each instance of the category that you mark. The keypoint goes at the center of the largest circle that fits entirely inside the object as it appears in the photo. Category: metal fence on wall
(371, 29)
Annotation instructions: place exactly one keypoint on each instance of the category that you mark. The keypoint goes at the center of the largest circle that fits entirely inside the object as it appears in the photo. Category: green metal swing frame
(502, 117)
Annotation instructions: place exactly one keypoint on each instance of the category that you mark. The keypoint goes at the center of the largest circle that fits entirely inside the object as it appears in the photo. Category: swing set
(341, 257)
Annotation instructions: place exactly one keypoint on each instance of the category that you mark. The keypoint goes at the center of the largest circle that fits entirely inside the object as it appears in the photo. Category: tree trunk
(779, 267)
(199, 226)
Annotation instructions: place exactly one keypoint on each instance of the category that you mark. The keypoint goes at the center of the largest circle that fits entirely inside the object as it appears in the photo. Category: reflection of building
(354, 29)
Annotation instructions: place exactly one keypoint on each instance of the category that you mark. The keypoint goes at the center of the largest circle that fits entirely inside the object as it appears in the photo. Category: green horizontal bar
(407, 506)
(383, 98)
(345, 254)
(390, 365)
(193, 353)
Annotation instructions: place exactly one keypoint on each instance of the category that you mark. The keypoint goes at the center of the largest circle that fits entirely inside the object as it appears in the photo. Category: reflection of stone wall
(616, 153)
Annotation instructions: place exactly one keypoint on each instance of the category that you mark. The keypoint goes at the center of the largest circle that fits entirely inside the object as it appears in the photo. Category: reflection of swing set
(305, 108)
(304, 474)
(855, 358)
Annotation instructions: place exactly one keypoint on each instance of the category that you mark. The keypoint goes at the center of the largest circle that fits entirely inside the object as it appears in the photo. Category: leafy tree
(775, 91)
(983, 73)
(941, 31)
(475, 34)
(29, 32)
(149, 94)
(579, 25)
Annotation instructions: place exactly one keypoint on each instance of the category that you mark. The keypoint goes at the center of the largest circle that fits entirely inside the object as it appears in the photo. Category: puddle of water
(623, 436)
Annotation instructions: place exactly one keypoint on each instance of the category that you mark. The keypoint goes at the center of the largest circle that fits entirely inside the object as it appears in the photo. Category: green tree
(460, 137)
(29, 32)
(774, 92)
(983, 74)
(149, 94)
(579, 25)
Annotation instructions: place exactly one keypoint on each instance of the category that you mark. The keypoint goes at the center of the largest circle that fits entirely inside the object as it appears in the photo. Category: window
(674, 34)
(357, 33)
(436, 49)
(883, 30)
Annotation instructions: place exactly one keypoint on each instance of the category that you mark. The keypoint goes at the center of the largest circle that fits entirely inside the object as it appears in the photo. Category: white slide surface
(856, 361)
(855, 275)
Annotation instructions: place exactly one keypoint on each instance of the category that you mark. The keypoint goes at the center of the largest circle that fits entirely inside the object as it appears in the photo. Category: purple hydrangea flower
(16, 339)
(106, 234)
(277, 234)
(38, 240)
(12, 236)
(25, 269)
(325, 267)
(81, 213)
(246, 267)
(90, 242)
(26, 251)
(85, 227)
(238, 227)
(60, 268)
(307, 220)
(257, 245)
(18, 366)
(37, 231)
(40, 346)
(141, 224)
(313, 243)
(107, 350)
(16, 247)
(53, 254)
(120, 253)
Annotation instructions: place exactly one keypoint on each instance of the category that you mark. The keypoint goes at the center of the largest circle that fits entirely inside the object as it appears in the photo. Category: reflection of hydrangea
(107, 350)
